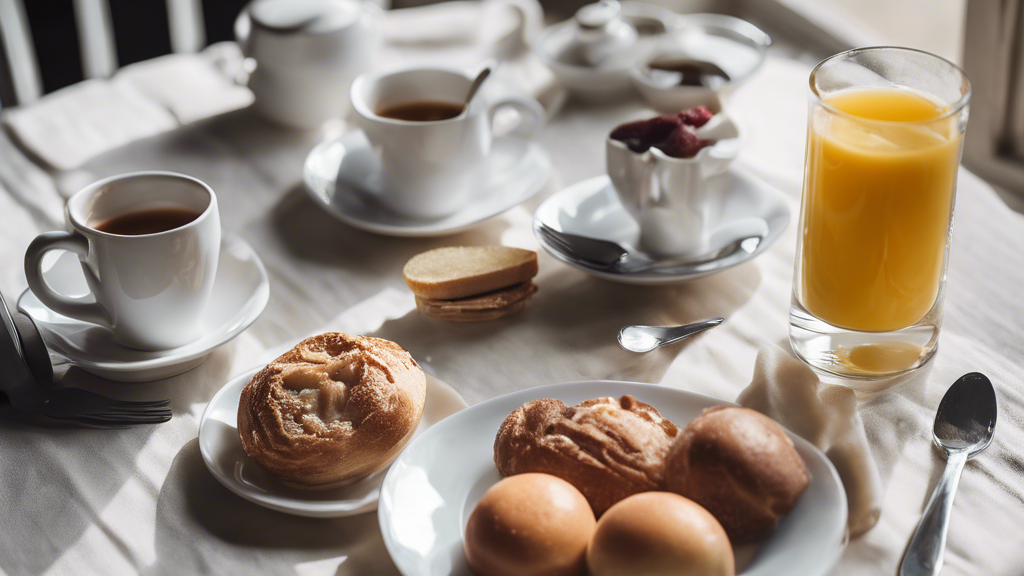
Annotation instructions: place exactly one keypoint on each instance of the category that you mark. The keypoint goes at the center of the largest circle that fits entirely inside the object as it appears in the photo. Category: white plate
(742, 205)
(343, 174)
(240, 293)
(223, 454)
(434, 484)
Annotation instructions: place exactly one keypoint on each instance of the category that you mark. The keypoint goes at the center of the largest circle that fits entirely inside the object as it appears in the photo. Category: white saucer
(342, 175)
(742, 205)
(240, 292)
(435, 483)
(223, 454)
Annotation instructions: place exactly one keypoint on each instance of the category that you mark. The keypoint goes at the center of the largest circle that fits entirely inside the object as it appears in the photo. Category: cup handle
(78, 308)
(531, 114)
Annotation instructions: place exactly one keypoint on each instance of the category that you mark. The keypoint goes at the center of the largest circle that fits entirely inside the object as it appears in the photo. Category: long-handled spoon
(647, 338)
(477, 82)
(964, 426)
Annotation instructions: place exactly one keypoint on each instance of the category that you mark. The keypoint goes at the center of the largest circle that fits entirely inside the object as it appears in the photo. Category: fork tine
(124, 420)
(141, 403)
(123, 411)
(550, 236)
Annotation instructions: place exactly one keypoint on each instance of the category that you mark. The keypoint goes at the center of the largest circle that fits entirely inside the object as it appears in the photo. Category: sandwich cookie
(472, 283)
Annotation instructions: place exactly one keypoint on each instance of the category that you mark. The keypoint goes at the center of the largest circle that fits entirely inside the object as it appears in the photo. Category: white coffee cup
(307, 52)
(433, 168)
(150, 290)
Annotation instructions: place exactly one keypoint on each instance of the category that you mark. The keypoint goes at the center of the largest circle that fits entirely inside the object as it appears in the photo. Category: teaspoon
(964, 426)
(647, 338)
(477, 83)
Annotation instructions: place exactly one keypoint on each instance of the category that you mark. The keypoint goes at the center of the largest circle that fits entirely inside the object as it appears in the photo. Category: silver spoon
(647, 338)
(477, 82)
(964, 426)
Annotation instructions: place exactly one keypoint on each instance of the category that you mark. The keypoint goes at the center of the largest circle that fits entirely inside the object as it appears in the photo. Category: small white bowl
(668, 196)
(736, 46)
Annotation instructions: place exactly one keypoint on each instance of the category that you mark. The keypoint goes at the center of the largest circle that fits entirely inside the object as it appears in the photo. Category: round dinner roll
(741, 466)
(607, 448)
(332, 410)
(529, 525)
(659, 534)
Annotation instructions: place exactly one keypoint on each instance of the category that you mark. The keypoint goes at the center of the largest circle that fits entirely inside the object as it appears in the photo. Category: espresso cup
(150, 290)
(433, 168)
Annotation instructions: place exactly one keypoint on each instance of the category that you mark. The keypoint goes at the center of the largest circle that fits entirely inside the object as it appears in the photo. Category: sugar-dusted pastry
(529, 525)
(608, 449)
(659, 534)
(741, 466)
(332, 410)
(472, 283)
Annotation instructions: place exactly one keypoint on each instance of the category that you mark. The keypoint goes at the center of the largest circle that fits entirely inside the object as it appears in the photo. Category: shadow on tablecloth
(203, 528)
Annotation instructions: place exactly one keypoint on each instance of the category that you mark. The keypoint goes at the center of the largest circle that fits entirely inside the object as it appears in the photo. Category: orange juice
(878, 197)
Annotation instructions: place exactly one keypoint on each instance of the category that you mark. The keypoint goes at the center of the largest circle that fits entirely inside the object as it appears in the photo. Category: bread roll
(608, 449)
(741, 466)
(332, 410)
(462, 271)
(529, 525)
(659, 534)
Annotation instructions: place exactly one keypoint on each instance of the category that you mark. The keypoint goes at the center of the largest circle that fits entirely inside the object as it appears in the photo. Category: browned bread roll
(608, 449)
(332, 410)
(741, 466)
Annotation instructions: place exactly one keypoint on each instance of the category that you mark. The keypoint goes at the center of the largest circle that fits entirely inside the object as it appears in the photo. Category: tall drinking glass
(884, 137)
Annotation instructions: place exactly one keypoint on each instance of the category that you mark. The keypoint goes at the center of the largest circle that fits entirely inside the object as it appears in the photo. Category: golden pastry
(332, 410)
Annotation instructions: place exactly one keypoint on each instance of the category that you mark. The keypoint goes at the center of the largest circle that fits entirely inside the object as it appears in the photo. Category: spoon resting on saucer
(608, 256)
(647, 338)
(964, 426)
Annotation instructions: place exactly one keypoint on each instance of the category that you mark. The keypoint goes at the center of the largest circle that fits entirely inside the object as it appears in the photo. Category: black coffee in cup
(422, 111)
(149, 221)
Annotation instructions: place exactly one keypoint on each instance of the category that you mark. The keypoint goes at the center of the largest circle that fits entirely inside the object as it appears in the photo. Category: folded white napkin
(73, 124)
(68, 127)
(825, 415)
(190, 88)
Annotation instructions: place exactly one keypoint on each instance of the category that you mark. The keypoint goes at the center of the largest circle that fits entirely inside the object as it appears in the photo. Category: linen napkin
(787, 390)
(68, 127)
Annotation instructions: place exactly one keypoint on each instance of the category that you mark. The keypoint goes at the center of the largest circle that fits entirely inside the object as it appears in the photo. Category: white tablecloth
(100, 502)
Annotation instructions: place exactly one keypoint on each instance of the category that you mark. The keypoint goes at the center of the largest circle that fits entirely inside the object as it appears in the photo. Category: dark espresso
(422, 111)
(147, 221)
(688, 73)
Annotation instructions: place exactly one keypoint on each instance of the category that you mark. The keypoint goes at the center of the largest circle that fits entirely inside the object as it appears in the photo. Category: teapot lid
(596, 37)
(304, 16)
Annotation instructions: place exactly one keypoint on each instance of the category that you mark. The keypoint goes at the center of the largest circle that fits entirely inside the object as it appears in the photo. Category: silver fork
(90, 409)
(608, 256)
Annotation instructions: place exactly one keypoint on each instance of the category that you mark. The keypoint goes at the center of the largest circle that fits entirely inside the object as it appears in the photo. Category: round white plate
(223, 454)
(240, 293)
(343, 174)
(742, 205)
(434, 484)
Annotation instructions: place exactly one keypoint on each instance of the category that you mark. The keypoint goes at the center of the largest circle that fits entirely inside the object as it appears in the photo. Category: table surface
(141, 500)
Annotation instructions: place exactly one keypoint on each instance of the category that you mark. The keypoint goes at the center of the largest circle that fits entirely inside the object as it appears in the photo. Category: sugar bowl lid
(596, 37)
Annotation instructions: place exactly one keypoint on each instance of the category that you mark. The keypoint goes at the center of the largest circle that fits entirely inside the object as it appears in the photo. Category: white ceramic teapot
(307, 53)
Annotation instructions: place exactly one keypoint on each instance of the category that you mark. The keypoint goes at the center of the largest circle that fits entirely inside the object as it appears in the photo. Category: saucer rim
(646, 278)
(316, 509)
(426, 229)
(228, 241)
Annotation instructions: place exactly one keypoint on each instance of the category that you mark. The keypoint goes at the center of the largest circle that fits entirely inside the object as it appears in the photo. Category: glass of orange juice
(883, 150)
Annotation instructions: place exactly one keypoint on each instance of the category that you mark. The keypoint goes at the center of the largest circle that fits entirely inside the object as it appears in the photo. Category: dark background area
(141, 32)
